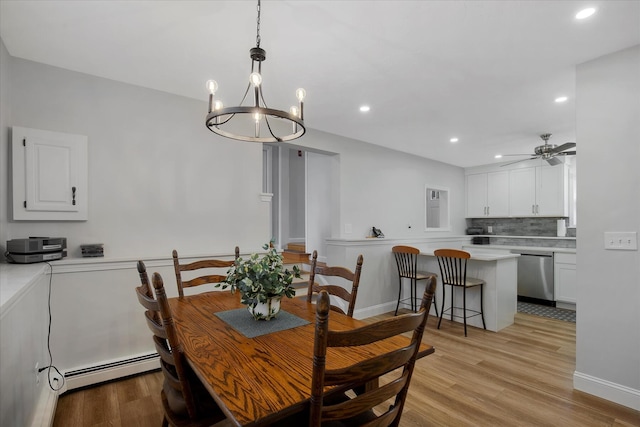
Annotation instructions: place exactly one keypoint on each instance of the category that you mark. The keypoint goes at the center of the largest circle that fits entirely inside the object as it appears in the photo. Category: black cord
(51, 366)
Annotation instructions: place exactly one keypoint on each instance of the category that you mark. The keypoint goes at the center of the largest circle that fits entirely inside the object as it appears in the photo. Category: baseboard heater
(109, 371)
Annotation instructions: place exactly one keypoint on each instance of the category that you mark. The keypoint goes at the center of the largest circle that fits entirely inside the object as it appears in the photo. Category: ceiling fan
(547, 151)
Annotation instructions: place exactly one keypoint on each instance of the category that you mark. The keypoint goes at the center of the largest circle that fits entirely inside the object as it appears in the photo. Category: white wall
(608, 315)
(385, 188)
(23, 339)
(296, 196)
(5, 120)
(158, 179)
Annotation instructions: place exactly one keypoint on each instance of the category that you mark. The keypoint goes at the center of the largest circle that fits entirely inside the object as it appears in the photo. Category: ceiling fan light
(561, 99)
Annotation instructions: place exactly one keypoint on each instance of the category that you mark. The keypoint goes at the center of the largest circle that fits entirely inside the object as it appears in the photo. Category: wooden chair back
(356, 410)
(333, 273)
(406, 260)
(453, 266)
(160, 321)
(198, 265)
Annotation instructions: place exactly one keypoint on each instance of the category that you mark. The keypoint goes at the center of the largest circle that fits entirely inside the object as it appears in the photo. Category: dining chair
(335, 274)
(185, 401)
(396, 366)
(200, 265)
(453, 269)
(407, 263)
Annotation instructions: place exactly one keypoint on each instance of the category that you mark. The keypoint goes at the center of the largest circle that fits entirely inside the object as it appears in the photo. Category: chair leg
(451, 311)
(442, 307)
(464, 309)
(399, 294)
(414, 295)
(435, 304)
(482, 307)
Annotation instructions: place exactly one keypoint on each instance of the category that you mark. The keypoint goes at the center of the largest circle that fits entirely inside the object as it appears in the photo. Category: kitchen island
(500, 273)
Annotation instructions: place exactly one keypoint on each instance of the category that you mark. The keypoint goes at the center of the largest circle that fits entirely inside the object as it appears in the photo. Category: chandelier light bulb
(585, 13)
(255, 79)
(300, 94)
(212, 86)
(294, 111)
(217, 105)
(257, 117)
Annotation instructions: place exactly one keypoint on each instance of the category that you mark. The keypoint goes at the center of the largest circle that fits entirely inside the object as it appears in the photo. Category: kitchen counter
(485, 248)
(500, 273)
(480, 255)
(16, 279)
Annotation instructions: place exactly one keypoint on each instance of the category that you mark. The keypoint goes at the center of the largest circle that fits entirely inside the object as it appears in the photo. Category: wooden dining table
(257, 381)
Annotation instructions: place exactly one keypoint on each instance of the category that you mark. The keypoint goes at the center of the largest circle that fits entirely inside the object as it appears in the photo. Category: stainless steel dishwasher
(535, 277)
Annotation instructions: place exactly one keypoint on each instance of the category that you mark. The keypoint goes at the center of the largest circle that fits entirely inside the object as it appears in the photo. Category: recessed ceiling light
(454, 140)
(365, 108)
(561, 99)
(585, 13)
(498, 156)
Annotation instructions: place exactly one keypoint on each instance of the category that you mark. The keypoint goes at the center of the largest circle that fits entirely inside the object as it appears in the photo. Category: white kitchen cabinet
(538, 191)
(487, 194)
(50, 179)
(566, 285)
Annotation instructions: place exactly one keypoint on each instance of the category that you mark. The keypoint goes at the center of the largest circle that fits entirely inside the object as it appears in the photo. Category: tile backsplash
(534, 227)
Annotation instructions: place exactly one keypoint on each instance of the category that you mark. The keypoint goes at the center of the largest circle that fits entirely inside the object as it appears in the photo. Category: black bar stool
(453, 269)
(407, 262)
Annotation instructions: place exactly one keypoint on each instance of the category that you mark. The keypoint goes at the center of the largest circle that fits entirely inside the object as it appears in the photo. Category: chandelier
(256, 122)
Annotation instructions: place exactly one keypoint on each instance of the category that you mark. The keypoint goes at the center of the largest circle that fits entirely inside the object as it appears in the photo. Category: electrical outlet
(37, 373)
(621, 241)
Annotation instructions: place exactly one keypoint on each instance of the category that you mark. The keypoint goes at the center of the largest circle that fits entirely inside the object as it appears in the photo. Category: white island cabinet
(500, 294)
(566, 285)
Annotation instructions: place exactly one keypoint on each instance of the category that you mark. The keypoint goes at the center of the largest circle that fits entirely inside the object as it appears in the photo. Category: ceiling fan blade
(518, 161)
(567, 153)
(553, 161)
(562, 147)
(505, 155)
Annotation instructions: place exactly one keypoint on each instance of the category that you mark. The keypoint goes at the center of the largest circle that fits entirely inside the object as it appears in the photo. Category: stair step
(291, 257)
(296, 247)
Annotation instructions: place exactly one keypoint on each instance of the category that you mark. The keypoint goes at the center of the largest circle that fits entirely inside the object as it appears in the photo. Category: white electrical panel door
(49, 175)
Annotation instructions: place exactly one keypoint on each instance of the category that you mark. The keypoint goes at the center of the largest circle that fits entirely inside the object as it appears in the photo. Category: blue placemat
(241, 320)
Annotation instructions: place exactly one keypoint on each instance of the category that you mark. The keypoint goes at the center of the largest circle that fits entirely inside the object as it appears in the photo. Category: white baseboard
(109, 371)
(375, 310)
(613, 392)
(382, 309)
(45, 409)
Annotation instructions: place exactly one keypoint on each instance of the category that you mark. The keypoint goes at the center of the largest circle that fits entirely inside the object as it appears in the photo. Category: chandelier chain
(258, 26)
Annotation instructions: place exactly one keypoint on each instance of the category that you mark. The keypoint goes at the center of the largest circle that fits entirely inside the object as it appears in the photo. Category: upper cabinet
(538, 191)
(519, 191)
(50, 180)
(486, 194)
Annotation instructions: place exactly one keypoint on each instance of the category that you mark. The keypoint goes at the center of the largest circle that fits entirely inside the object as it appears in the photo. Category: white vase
(265, 310)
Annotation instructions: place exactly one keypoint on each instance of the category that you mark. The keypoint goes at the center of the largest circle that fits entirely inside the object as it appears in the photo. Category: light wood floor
(521, 376)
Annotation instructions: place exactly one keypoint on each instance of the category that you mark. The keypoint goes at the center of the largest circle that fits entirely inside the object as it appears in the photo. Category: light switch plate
(621, 240)
(348, 229)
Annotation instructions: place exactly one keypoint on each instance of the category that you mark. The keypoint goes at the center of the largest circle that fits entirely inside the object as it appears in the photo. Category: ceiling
(486, 72)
